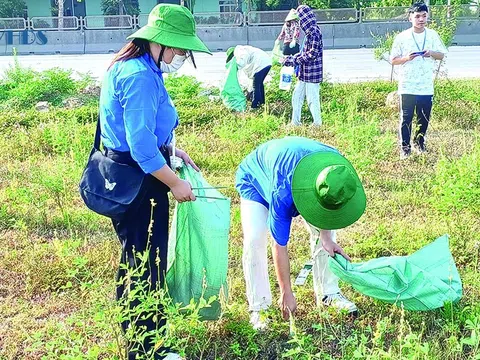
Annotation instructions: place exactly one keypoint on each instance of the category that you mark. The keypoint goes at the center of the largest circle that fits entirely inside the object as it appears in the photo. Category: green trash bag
(231, 92)
(198, 246)
(424, 280)
(277, 52)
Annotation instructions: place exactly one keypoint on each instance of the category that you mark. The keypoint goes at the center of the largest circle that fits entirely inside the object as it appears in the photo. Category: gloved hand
(292, 44)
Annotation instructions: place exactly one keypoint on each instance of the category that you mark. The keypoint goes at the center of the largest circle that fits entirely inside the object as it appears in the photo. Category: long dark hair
(139, 47)
(132, 50)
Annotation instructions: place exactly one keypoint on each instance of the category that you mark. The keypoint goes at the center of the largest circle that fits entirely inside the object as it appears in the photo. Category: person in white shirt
(256, 64)
(415, 51)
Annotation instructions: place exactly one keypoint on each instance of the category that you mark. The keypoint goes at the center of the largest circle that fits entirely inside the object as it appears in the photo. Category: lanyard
(424, 39)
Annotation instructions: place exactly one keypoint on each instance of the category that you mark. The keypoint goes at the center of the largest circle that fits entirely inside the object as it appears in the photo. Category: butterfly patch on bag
(109, 185)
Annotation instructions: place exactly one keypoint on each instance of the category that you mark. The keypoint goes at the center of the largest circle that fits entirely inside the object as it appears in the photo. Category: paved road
(340, 65)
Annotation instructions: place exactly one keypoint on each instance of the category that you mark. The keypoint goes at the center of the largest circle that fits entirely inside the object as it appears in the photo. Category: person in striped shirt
(310, 67)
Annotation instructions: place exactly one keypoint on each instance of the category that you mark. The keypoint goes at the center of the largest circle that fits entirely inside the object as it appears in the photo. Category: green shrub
(182, 86)
(52, 85)
(456, 185)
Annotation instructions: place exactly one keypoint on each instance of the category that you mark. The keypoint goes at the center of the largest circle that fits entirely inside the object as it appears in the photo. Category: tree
(12, 8)
(120, 7)
(263, 5)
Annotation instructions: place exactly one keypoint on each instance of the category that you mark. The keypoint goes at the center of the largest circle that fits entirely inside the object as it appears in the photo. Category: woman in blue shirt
(281, 179)
(137, 119)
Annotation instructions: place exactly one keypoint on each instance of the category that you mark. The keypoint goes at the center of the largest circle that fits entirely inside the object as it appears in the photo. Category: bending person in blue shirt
(137, 119)
(278, 181)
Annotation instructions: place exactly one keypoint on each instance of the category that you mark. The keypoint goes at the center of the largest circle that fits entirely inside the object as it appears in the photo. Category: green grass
(58, 260)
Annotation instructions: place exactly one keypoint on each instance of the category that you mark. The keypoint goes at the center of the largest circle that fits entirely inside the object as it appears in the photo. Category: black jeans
(133, 235)
(258, 88)
(422, 105)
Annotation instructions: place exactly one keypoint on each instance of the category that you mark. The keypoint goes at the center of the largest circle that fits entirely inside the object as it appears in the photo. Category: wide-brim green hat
(292, 15)
(327, 191)
(230, 50)
(173, 26)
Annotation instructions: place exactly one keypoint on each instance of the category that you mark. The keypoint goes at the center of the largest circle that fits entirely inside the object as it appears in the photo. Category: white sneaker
(339, 302)
(258, 321)
(420, 150)
(173, 356)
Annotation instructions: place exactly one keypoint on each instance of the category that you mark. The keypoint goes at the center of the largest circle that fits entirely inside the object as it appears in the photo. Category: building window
(230, 5)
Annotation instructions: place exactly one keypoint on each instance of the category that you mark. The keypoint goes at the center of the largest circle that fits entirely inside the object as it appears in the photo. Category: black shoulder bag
(107, 187)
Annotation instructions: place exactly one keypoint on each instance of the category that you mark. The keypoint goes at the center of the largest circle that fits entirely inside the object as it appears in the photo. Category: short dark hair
(418, 7)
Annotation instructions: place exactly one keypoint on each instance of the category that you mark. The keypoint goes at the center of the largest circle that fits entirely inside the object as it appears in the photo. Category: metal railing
(331, 16)
(55, 23)
(382, 14)
(13, 24)
(108, 22)
(266, 17)
(465, 12)
(226, 19)
(399, 13)
(324, 16)
(218, 19)
(468, 12)
(210, 19)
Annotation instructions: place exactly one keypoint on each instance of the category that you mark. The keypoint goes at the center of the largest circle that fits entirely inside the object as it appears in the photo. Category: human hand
(182, 191)
(287, 304)
(333, 248)
(410, 57)
(287, 60)
(186, 159)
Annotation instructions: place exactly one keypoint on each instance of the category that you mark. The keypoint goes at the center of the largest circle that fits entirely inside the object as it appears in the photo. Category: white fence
(219, 19)
(399, 13)
(13, 24)
(55, 23)
(233, 19)
(108, 22)
(324, 16)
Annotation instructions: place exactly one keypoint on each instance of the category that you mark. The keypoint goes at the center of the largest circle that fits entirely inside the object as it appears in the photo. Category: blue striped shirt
(136, 112)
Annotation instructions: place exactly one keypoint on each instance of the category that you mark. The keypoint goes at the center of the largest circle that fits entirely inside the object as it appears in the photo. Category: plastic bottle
(286, 75)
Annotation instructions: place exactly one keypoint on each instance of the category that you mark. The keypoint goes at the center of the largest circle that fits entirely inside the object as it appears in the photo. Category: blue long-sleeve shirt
(136, 112)
(265, 176)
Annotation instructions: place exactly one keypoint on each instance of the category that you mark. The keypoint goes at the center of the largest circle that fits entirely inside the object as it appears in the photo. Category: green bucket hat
(292, 15)
(327, 191)
(230, 52)
(173, 26)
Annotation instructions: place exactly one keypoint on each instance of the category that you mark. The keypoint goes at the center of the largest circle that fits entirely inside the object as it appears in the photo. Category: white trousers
(255, 264)
(312, 92)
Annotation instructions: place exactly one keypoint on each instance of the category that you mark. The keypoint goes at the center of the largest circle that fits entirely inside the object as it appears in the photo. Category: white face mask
(175, 64)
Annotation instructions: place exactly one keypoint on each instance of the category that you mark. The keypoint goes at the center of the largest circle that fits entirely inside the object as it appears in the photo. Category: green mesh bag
(422, 281)
(198, 246)
(277, 52)
(231, 92)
